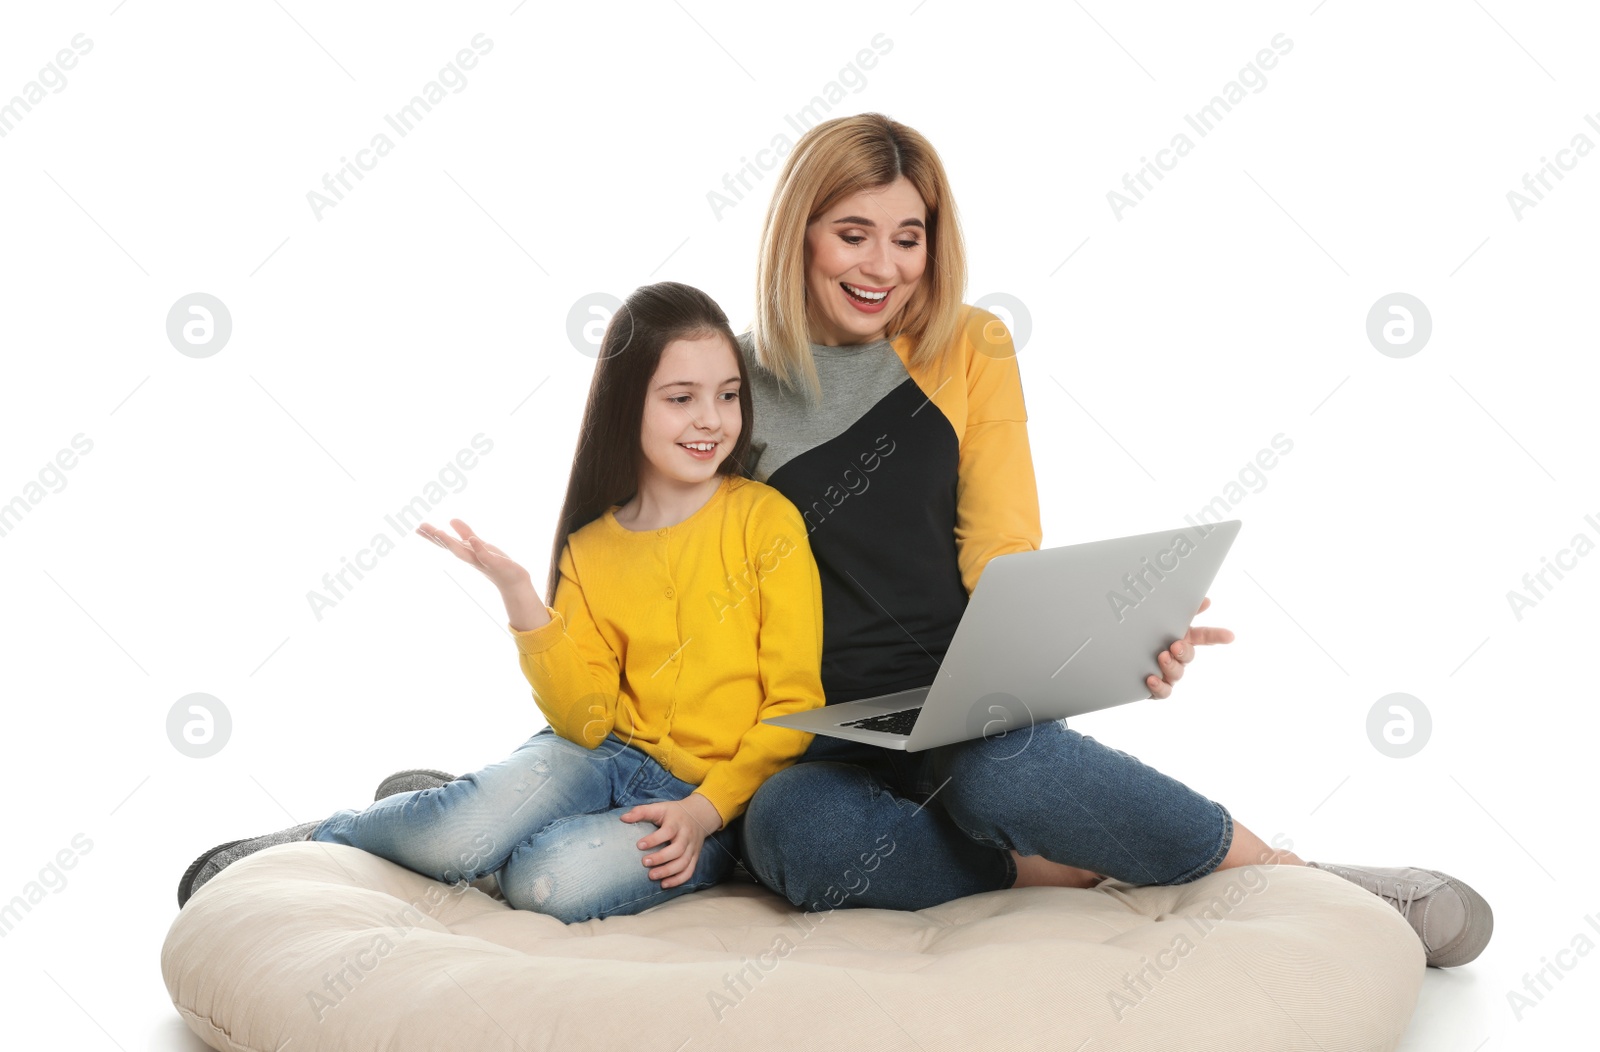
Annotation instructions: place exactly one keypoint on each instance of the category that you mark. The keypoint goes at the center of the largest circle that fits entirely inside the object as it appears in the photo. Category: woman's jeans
(546, 822)
(856, 825)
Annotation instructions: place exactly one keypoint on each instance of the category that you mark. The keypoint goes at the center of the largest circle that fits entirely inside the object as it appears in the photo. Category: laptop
(1046, 634)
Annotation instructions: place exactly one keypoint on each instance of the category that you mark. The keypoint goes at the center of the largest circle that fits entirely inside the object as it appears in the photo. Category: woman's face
(874, 243)
(692, 403)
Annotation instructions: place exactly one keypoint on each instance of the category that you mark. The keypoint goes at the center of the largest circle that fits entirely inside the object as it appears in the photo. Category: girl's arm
(790, 656)
(524, 609)
(572, 669)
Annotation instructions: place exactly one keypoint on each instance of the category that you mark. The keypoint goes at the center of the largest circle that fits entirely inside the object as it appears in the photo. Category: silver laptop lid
(1062, 631)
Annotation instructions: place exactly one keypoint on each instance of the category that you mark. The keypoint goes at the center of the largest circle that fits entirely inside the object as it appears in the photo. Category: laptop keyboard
(892, 722)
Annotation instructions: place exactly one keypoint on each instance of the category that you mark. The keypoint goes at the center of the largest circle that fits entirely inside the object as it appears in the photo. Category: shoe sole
(186, 884)
(385, 791)
(1475, 934)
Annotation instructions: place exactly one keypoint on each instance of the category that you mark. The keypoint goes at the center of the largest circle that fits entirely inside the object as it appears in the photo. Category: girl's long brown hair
(605, 465)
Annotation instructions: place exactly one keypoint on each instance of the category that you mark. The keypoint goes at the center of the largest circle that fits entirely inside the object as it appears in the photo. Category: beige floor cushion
(316, 946)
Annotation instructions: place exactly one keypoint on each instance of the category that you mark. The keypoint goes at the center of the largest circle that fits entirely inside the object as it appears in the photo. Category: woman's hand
(495, 564)
(1181, 653)
(685, 824)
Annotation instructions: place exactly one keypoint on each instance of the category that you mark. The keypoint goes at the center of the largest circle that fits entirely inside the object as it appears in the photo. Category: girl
(684, 607)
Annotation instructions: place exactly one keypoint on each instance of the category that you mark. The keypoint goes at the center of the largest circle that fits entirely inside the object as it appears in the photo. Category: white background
(1165, 348)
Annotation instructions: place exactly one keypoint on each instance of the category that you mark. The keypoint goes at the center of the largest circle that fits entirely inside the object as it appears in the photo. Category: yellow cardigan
(682, 639)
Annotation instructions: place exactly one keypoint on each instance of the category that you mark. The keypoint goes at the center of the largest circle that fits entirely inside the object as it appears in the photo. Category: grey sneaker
(1452, 920)
(411, 781)
(222, 856)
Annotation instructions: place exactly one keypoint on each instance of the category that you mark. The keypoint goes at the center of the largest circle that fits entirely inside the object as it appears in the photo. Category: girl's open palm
(495, 564)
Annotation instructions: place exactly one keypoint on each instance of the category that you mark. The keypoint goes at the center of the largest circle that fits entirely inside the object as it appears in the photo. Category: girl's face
(691, 413)
(864, 258)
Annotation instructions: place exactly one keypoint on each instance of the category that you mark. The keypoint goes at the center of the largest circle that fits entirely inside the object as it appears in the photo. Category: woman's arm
(997, 497)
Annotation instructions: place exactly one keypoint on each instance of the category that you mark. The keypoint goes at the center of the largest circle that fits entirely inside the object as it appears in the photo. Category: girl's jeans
(856, 825)
(546, 822)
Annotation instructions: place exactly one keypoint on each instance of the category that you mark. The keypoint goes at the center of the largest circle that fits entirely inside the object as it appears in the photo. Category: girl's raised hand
(495, 564)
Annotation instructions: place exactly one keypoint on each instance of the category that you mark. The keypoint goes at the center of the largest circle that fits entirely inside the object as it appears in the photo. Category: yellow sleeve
(997, 497)
(790, 649)
(573, 671)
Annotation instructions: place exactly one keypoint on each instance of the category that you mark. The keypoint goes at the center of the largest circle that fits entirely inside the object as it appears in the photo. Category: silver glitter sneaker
(1452, 920)
(222, 856)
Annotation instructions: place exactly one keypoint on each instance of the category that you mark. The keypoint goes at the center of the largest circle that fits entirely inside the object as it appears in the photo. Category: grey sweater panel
(854, 379)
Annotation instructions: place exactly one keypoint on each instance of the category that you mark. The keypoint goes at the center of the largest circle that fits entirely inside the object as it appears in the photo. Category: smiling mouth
(863, 295)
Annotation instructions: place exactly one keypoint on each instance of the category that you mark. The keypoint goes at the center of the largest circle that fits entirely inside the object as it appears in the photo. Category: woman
(892, 416)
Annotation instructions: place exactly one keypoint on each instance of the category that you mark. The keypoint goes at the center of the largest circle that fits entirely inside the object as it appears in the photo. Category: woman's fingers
(1202, 635)
(1171, 662)
(1174, 658)
(1171, 667)
(1205, 636)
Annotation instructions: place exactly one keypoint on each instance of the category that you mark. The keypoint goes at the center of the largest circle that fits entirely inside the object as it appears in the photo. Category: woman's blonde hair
(832, 161)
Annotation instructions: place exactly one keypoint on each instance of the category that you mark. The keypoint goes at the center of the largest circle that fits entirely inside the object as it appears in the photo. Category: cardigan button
(669, 593)
(661, 533)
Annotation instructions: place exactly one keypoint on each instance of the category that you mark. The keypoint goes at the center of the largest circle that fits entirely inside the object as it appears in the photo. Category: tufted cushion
(317, 946)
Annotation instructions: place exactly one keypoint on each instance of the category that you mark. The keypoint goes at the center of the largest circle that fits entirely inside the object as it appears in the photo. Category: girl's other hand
(684, 825)
(495, 564)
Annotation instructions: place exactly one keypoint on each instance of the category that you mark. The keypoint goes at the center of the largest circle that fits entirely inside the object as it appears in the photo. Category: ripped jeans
(546, 822)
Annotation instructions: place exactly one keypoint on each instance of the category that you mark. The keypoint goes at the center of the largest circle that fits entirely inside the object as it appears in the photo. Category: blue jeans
(856, 825)
(546, 822)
